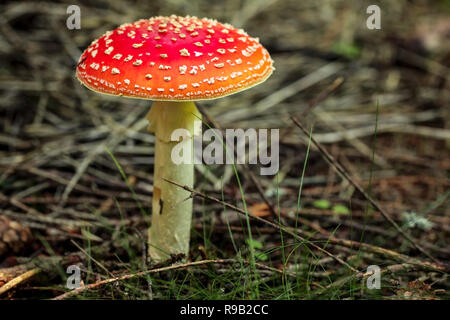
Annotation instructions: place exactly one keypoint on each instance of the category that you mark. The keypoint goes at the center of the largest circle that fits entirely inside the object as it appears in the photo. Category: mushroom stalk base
(172, 205)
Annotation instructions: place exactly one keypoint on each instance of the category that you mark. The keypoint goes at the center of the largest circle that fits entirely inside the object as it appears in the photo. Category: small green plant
(413, 220)
(340, 209)
(348, 50)
(255, 244)
(322, 204)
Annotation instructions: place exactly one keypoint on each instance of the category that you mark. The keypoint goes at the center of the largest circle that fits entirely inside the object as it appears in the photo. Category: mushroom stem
(172, 205)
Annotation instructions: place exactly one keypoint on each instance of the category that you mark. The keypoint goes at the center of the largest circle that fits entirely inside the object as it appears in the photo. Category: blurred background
(336, 76)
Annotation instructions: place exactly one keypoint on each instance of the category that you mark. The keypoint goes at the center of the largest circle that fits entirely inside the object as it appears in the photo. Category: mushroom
(173, 61)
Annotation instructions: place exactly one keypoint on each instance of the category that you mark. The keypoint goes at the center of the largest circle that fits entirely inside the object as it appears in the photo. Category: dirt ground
(376, 100)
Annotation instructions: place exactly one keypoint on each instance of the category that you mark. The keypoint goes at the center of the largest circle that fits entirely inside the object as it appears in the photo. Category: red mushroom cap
(174, 58)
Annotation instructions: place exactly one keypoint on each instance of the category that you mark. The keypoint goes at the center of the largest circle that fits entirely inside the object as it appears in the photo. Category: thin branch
(330, 159)
(274, 225)
(246, 172)
(19, 279)
(139, 274)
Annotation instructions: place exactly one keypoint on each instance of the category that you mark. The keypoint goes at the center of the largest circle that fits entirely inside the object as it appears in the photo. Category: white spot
(193, 70)
(246, 53)
(137, 63)
(94, 53)
(117, 56)
(94, 66)
(126, 81)
(183, 69)
(109, 50)
(185, 53)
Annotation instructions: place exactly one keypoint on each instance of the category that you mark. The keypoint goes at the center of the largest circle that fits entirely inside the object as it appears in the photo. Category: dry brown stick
(91, 258)
(327, 236)
(247, 172)
(330, 159)
(322, 95)
(364, 275)
(19, 204)
(390, 253)
(9, 273)
(274, 225)
(140, 274)
(162, 269)
(19, 279)
(58, 179)
(313, 103)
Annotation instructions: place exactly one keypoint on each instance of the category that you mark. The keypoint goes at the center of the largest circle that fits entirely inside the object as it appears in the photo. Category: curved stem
(174, 126)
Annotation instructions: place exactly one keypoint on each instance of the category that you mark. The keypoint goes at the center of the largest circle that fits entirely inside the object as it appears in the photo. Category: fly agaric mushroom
(173, 61)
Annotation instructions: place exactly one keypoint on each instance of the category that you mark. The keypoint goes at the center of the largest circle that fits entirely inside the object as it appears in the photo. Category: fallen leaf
(260, 210)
